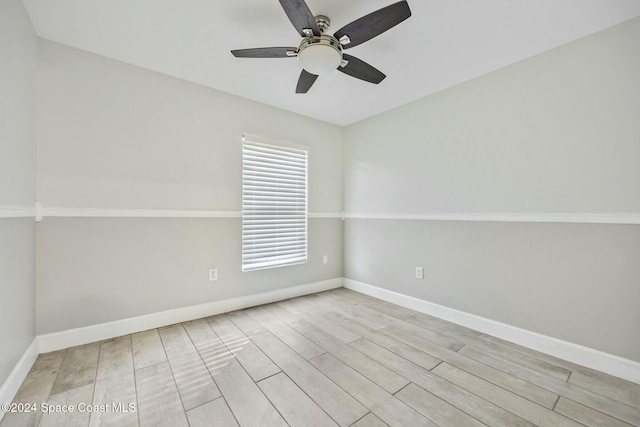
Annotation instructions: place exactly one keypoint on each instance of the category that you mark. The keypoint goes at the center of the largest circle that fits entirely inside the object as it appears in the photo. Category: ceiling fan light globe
(320, 55)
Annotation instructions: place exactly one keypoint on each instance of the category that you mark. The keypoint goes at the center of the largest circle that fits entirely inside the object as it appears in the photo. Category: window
(274, 203)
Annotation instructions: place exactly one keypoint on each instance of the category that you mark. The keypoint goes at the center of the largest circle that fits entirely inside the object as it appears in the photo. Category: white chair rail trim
(155, 213)
(39, 212)
(553, 217)
(17, 212)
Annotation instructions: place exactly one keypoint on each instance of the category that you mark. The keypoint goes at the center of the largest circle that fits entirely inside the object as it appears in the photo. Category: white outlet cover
(213, 274)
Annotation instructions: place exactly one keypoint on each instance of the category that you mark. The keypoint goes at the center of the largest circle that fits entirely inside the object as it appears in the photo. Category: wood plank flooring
(337, 358)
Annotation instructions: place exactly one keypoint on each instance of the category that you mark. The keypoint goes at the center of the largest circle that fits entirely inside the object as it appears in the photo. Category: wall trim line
(553, 217)
(12, 384)
(628, 218)
(330, 215)
(88, 334)
(58, 212)
(7, 212)
(135, 213)
(581, 355)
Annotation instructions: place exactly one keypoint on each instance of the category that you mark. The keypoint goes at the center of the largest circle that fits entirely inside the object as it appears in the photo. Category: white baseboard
(585, 356)
(73, 337)
(10, 387)
(575, 353)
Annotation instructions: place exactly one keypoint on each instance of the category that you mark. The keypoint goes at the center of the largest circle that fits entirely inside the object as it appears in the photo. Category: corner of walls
(84, 335)
(18, 75)
(516, 191)
(9, 388)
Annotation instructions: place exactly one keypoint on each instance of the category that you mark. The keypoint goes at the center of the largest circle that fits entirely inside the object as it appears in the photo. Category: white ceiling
(444, 43)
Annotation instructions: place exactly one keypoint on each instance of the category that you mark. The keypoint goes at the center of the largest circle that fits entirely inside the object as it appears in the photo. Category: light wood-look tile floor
(334, 358)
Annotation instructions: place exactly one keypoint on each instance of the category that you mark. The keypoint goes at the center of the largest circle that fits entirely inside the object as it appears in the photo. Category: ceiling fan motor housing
(320, 54)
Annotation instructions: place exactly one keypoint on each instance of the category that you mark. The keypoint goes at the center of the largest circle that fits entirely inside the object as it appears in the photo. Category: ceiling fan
(320, 53)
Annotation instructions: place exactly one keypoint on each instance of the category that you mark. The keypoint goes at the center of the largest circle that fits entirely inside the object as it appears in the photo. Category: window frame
(282, 194)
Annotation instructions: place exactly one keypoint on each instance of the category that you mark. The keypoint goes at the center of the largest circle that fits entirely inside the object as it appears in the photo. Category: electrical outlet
(419, 273)
(213, 274)
(325, 259)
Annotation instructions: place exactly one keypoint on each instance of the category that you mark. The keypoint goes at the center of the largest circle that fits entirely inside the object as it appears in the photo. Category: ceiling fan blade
(373, 24)
(305, 82)
(361, 70)
(300, 16)
(266, 52)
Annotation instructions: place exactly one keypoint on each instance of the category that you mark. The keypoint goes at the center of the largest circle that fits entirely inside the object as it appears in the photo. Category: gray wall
(18, 56)
(575, 282)
(558, 132)
(111, 135)
(92, 271)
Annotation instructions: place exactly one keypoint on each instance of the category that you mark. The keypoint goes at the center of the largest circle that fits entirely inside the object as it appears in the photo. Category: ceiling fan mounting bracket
(323, 22)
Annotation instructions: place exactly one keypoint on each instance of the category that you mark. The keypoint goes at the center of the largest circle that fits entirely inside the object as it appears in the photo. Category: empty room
(320, 213)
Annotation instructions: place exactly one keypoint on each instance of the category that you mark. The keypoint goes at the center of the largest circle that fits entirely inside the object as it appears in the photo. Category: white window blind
(274, 204)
